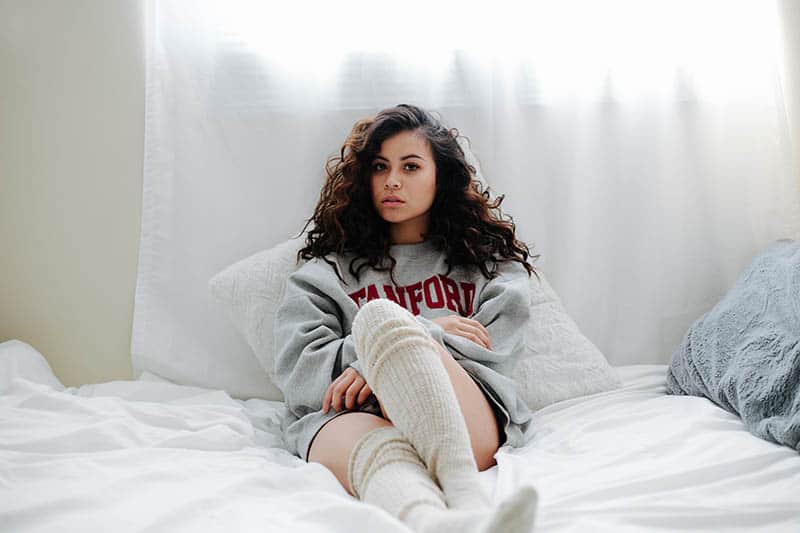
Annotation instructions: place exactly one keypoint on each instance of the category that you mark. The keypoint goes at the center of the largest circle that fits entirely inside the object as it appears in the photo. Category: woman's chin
(393, 215)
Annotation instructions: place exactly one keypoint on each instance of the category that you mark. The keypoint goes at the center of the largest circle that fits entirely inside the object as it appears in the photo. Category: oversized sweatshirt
(313, 344)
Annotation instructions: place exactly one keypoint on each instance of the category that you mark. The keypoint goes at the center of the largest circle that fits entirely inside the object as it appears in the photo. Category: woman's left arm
(503, 307)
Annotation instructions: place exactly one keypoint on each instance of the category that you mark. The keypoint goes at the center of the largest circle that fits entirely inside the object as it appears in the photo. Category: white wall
(71, 146)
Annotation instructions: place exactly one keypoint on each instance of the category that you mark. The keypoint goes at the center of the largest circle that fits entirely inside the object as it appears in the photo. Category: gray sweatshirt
(313, 344)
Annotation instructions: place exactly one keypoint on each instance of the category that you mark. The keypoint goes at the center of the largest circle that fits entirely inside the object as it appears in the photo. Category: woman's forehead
(404, 144)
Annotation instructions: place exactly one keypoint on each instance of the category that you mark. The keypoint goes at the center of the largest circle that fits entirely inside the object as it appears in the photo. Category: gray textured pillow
(744, 354)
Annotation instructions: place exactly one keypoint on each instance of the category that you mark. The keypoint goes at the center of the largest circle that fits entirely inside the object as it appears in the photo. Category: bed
(151, 455)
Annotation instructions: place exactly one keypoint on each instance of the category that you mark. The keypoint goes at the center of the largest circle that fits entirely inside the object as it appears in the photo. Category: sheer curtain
(642, 147)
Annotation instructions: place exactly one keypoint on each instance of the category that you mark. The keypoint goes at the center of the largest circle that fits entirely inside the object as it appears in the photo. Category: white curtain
(642, 146)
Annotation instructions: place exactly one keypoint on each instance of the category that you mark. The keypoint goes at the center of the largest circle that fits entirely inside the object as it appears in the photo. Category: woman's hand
(465, 327)
(351, 386)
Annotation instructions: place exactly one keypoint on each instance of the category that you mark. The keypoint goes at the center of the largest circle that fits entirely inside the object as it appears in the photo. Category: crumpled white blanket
(154, 456)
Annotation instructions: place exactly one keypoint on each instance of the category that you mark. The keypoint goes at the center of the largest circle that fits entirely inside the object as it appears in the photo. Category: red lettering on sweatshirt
(437, 292)
(469, 293)
(451, 294)
(399, 298)
(359, 295)
(414, 296)
(431, 286)
(372, 293)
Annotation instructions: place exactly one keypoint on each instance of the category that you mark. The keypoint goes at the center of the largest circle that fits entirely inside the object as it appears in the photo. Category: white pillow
(18, 359)
(250, 291)
(560, 362)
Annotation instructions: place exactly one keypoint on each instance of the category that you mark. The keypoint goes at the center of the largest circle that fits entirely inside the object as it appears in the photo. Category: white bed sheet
(148, 455)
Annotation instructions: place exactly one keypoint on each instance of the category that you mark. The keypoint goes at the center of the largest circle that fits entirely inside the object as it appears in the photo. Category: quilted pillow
(250, 292)
(560, 362)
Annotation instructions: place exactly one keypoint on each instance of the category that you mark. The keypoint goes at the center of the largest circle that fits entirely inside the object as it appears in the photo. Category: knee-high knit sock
(385, 470)
(403, 368)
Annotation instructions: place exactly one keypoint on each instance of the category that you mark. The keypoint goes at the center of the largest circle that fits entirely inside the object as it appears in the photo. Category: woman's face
(404, 185)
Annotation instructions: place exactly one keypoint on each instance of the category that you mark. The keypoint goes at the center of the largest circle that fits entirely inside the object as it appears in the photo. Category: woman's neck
(418, 240)
(410, 231)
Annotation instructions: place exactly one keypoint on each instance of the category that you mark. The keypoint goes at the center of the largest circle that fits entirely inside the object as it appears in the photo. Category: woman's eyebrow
(409, 156)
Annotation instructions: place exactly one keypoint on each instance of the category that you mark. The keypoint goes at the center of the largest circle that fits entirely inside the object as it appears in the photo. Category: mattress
(149, 455)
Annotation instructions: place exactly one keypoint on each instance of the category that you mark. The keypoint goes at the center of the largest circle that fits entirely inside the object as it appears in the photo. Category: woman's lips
(392, 201)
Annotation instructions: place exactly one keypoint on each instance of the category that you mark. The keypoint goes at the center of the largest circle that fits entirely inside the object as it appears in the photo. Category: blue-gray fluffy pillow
(744, 354)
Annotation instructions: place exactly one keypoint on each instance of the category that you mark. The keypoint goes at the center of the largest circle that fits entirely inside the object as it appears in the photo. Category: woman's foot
(515, 514)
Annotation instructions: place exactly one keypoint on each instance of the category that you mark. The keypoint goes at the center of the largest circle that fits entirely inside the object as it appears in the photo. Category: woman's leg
(377, 464)
(335, 441)
(404, 368)
(484, 433)
(382, 468)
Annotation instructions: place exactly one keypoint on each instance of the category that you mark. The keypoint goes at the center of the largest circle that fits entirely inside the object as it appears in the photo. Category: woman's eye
(377, 167)
(412, 166)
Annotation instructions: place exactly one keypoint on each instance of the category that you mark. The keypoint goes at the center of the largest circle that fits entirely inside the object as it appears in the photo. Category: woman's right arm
(311, 347)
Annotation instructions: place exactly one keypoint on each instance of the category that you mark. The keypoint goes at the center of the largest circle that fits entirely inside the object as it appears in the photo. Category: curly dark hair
(464, 222)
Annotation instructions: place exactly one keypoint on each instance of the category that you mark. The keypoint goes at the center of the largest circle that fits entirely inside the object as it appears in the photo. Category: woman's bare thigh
(334, 442)
(478, 413)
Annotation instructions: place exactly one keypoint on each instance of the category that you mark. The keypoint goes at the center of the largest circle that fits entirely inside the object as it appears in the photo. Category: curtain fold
(642, 147)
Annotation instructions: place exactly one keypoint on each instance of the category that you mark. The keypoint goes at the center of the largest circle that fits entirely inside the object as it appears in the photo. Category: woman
(395, 340)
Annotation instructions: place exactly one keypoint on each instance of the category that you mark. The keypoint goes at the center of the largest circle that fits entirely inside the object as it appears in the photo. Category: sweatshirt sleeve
(503, 307)
(311, 345)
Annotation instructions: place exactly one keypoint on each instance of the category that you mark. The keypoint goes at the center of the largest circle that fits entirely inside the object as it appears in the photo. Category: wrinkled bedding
(148, 455)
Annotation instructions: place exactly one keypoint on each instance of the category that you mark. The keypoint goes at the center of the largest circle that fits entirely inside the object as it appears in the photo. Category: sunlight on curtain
(642, 145)
(573, 48)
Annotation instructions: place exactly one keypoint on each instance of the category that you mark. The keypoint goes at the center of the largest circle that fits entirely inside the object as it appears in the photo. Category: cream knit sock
(385, 470)
(403, 369)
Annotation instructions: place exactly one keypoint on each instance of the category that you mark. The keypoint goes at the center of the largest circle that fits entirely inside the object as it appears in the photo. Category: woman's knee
(333, 443)
(381, 323)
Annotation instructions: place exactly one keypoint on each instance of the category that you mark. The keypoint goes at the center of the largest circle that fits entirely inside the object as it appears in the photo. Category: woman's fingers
(351, 396)
(482, 332)
(470, 334)
(485, 335)
(476, 332)
(465, 327)
(339, 390)
(347, 391)
(326, 402)
(364, 394)
(333, 396)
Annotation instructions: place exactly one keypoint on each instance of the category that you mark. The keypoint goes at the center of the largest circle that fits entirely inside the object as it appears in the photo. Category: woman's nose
(392, 182)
